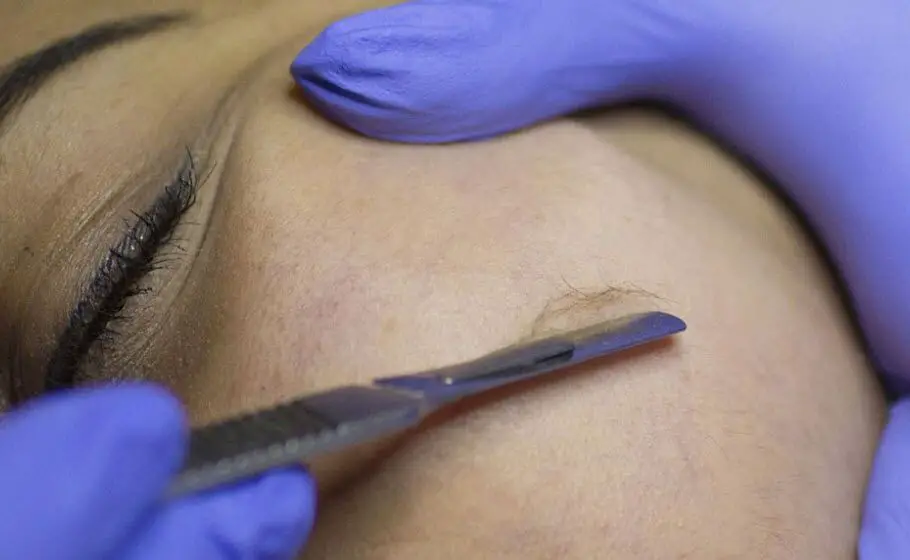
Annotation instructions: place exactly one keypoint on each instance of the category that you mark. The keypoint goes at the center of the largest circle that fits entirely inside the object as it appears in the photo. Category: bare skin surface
(315, 258)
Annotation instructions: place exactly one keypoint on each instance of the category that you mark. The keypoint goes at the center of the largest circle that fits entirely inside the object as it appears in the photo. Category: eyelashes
(119, 276)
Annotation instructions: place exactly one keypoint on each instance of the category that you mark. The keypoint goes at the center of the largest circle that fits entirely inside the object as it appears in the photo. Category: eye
(121, 276)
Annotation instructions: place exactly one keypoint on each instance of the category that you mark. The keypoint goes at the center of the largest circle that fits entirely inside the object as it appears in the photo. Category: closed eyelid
(97, 220)
(122, 267)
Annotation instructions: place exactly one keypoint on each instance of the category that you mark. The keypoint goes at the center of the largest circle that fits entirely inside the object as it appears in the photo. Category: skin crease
(324, 258)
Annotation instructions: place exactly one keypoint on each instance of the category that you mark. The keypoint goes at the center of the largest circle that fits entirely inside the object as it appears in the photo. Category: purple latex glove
(814, 91)
(82, 474)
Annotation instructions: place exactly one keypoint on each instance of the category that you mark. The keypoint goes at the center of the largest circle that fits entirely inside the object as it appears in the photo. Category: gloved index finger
(885, 529)
(435, 71)
(265, 518)
(79, 469)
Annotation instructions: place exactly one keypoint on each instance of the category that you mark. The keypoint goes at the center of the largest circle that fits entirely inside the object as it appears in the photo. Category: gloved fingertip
(283, 505)
(385, 73)
(103, 456)
(269, 517)
(156, 410)
(434, 71)
(885, 531)
(141, 417)
(901, 412)
(895, 444)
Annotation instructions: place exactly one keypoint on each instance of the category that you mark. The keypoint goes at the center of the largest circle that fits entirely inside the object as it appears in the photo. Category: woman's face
(312, 258)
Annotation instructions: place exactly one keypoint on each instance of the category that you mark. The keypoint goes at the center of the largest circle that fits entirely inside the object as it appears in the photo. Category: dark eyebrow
(24, 76)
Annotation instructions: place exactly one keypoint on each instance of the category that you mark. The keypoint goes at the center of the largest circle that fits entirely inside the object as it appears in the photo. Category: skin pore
(314, 258)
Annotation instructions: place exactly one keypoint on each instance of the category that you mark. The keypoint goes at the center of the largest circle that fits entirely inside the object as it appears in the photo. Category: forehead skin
(331, 259)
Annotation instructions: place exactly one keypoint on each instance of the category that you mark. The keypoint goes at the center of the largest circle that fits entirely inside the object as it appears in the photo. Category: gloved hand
(82, 475)
(813, 91)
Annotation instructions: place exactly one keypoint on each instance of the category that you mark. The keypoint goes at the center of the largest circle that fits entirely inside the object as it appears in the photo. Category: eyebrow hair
(22, 78)
(575, 306)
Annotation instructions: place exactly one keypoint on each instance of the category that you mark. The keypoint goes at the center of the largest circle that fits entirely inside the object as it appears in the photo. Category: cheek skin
(346, 260)
(319, 283)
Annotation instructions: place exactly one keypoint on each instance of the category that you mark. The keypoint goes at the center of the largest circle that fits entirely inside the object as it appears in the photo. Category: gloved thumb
(445, 70)
(886, 520)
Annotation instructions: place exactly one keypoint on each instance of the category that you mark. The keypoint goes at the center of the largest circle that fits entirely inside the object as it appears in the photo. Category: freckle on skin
(389, 325)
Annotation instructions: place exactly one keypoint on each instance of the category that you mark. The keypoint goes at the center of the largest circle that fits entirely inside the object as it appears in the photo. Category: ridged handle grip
(291, 433)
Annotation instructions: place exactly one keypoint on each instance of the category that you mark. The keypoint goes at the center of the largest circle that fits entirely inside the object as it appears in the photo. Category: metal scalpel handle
(319, 424)
(292, 433)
